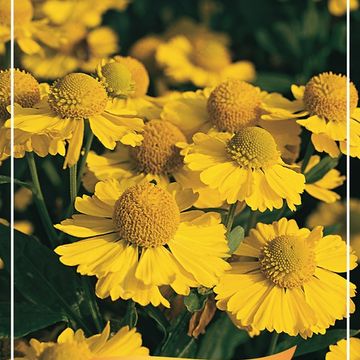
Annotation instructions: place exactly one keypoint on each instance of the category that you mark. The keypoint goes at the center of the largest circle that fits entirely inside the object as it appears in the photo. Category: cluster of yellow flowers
(175, 163)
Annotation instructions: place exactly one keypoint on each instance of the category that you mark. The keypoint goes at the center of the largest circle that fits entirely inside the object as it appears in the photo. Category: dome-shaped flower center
(157, 153)
(325, 96)
(253, 147)
(77, 96)
(146, 215)
(23, 12)
(210, 54)
(138, 72)
(233, 105)
(116, 78)
(288, 261)
(67, 351)
(26, 90)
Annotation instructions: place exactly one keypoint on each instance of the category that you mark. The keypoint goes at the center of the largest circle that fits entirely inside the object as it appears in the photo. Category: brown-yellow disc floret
(158, 153)
(253, 147)
(26, 90)
(77, 96)
(146, 215)
(116, 78)
(66, 351)
(325, 96)
(288, 261)
(234, 104)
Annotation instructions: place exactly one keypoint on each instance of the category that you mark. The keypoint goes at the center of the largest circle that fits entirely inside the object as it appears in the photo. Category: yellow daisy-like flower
(322, 104)
(338, 7)
(28, 33)
(285, 280)
(70, 101)
(156, 158)
(229, 107)
(339, 350)
(201, 59)
(129, 94)
(27, 93)
(139, 238)
(81, 49)
(75, 346)
(322, 188)
(247, 167)
(334, 215)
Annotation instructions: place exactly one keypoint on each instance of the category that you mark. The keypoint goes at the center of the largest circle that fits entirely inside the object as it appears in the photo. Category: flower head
(138, 238)
(61, 114)
(75, 346)
(284, 279)
(245, 166)
(320, 106)
(339, 350)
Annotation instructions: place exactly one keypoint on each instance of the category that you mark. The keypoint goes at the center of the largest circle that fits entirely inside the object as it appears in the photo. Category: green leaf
(235, 237)
(273, 81)
(158, 316)
(315, 343)
(195, 301)
(221, 339)
(46, 285)
(131, 316)
(321, 169)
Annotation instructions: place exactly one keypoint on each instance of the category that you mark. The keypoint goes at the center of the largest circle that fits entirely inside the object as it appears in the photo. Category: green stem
(88, 143)
(309, 151)
(251, 220)
(273, 343)
(230, 216)
(40, 202)
(73, 184)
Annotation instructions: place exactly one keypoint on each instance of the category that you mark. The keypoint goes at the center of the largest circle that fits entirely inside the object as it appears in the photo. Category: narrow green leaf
(235, 237)
(321, 169)
(7, 180)
(221, 339)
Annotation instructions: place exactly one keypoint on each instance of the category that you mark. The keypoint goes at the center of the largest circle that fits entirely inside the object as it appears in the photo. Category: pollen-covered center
(23, 12)
(138, 72)
(325, 96)
(26, 91)
(253, 147)
(210, 54)
(77, 96)
(233, 105)
(288, 261)
(116, 78)
(146, 215)
(66, 351)
(158, 153)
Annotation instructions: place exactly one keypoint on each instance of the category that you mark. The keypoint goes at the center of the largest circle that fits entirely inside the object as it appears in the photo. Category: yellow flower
(70, 101)
(321, 189)
(28, 33)
(156, 158)
(75, 346)
(80, 50)
(83, 12)
(22, 199)
(247, 167)
(338, 7)
(229, 107)
(129, 95)
(322, 104)
(334, 215)
(285, 280)
(27, 93)
(339, 350)
(138, 238)
(201, 59)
